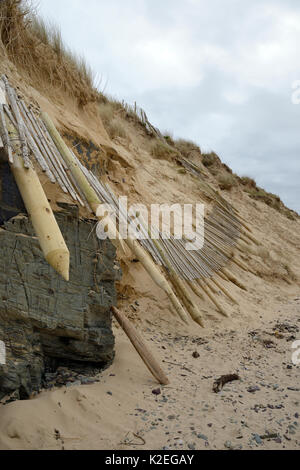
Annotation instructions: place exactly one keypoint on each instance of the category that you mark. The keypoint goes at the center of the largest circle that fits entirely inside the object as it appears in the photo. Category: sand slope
(187, 414)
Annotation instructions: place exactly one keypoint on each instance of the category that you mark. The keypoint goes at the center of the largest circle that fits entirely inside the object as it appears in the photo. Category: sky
(218, 72)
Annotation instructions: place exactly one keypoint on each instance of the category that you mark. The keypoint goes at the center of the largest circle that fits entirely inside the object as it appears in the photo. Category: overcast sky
(219, 72)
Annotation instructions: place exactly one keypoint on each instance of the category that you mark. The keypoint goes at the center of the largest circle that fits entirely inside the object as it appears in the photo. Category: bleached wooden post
(209, 294)
(44, 223)
(141, 348)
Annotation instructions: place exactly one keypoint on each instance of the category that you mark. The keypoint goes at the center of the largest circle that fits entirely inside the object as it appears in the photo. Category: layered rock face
(41, 315)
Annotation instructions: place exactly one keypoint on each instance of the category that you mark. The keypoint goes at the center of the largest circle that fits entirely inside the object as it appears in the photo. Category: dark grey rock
(41, 315)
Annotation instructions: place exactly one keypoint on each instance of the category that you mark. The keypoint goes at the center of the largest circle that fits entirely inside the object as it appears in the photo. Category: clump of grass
(289, 214)
(116, 129)
(169, 138)
(184, 143)
(270, 199)
(49, 34)
(227, 182)
(247, 181)
(209, 159)
(161, 150)
(187, 148)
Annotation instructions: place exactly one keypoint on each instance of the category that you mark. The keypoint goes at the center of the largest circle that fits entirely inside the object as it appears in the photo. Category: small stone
(87, 381)
(257, 439)
(228, 445)
(253, 389)
(192, 446)
(156, 391)
(202, 436)
(196, 355)
(292, 429)
(109, 393)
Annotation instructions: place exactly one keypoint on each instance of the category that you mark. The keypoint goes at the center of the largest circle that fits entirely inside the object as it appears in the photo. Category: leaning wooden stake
(186, 299)
(233, 279)
(213, 288)
(252, 238)
(51, 240)
(205, 288)
(224, 290)
(194, 288)
(141, 348)
(241, 265)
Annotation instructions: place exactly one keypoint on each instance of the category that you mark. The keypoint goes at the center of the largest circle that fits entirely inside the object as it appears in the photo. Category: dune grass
(37, 47)
(227, 182)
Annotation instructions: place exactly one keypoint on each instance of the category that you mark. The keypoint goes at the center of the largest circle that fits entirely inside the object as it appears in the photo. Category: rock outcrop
(41, 315)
